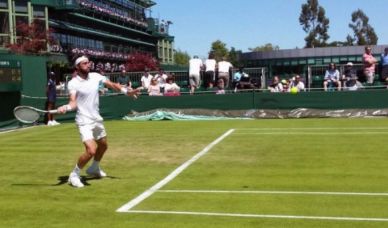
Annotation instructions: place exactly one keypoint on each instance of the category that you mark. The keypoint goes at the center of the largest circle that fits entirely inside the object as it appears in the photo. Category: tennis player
(84, 97)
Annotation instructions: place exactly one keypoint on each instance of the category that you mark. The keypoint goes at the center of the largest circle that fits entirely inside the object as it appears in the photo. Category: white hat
(81, 59)
(349, 64)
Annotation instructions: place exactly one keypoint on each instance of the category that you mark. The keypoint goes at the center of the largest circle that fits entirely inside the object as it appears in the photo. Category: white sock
(95, 164)
(77, 170)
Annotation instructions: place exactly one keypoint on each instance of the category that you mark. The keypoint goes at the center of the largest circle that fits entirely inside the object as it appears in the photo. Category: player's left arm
(119, 88)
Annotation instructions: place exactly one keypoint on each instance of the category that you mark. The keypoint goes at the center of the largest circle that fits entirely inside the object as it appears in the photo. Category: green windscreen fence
(118, 106)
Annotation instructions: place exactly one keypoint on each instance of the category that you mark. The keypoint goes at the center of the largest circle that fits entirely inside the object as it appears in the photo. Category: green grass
(260, 155)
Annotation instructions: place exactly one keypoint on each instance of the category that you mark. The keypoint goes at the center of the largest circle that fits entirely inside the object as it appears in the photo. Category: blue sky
(246, 24)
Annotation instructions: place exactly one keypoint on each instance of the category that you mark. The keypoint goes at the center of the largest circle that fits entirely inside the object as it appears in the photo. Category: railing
(258, 75)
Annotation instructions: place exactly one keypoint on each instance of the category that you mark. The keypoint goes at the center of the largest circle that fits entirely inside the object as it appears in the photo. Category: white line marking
(17, 129)
(278, 192)
(312, 133)
(261, 216)
(172, 175)
(313, 128)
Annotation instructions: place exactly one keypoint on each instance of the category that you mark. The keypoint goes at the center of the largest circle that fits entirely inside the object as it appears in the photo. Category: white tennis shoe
(75, 180)
(96, 172)
(55, 122)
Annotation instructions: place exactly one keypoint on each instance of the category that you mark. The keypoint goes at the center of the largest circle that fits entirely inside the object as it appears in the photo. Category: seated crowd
(294, 84)
(113, 11)
(161, 84)
(99, 54)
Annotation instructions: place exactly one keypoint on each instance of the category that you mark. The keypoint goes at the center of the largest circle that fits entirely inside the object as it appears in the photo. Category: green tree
(234, 56)
(219, 49)
(181, 58)
(349, 40)
(364, 33)
(265, 47)
(315, 24)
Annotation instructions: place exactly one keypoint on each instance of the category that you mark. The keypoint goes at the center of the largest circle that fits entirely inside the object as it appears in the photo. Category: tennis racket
(29, 115)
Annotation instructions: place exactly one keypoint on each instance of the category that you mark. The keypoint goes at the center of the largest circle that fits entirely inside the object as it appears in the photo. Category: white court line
(261, 216)
(278, 192)
(312, 128)
(312, 133)
(171, 176)
(16, 129)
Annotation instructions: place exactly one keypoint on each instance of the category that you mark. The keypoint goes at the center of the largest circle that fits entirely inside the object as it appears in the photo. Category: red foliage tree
(140, 61)
(32, 38)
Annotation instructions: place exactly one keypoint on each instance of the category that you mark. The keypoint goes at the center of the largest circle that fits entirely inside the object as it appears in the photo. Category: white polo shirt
(146, 79)
(224, 66)
(210, 64)
(87, 97)
(195, 66)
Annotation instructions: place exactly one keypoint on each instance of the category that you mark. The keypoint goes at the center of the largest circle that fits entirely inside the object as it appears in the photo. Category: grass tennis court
(263, 173)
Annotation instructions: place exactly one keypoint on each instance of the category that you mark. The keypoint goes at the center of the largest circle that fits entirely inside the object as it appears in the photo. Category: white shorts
(93, 131)
(194, 80)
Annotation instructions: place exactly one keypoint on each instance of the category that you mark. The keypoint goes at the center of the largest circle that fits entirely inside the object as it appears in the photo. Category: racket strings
(26, 115)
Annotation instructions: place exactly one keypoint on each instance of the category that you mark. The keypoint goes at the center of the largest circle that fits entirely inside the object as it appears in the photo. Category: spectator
(101, 88)
(285, 84)
(332, 77)
(92, 66)
(195, 65)
(384, 66)
(349, 72)
(146, 79)
(161, 77)
(369, 65)
(99, 66)
(245, 80)
(154, 88)
(223, 71)
(121, 67)
(107, 67)
(296, 82)
(350, 78)
(51, 92)
(171, 88)
(276, 85)
(210, 69)
(220, 87)
(236, 79)
(123, 79)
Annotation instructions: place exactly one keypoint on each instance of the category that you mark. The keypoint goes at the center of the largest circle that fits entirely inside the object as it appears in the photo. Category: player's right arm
(72, 105)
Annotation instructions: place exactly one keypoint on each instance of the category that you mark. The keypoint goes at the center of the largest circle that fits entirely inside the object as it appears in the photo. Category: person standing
(146, 79)
(224, 68)
(84, 97)
(51, 92)
(210, 69)
(195, 65)
(384, 66)
(369, 65)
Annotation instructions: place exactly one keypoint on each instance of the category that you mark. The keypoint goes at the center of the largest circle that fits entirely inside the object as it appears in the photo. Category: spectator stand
(316, 74)
(137, 19)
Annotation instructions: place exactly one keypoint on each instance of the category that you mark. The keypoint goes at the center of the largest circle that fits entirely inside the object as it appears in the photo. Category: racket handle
(54, 111)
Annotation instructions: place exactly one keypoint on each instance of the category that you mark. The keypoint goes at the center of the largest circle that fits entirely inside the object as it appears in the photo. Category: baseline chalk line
(260, 216)
(277, 192)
